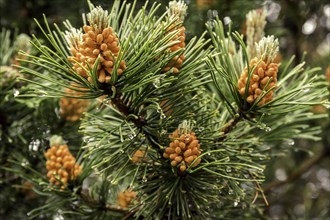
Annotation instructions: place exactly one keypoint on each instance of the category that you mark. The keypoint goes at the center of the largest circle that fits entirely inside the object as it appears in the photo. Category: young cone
(61, 165)
(255, 25)
(125, 198)
(97, 41)
(71, 109)
(264, 76)
(183, 149)
(177, 10)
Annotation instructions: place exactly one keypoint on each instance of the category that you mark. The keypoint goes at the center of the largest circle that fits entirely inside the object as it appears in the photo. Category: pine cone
(71, 109)
(183, 150)
(125, 198)
(177, 61)
(138, 156)
(61, 165)
(260, 76)
(95, 43)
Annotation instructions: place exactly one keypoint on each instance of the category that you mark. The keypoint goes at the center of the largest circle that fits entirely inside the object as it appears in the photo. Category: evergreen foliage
(134, 115)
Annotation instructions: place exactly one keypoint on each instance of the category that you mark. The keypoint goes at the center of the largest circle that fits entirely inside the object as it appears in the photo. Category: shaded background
(299, 25)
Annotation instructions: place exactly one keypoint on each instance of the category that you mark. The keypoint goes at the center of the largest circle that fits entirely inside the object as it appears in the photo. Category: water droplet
(156, 83)
(228, 169)
(200, 129)
(306, 90)
(16, 92)
(86, 139)
(114, 182)
(163, 116)
(235, 203)
(34, 145)
(24, 162)
(326, 104)
(290, 142)
(144, 179)
(268, 129)
(131, 136)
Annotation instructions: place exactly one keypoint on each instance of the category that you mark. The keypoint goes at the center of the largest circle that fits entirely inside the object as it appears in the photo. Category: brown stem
(107, 207)
(230, 126)
(123, 108)
(304, 167)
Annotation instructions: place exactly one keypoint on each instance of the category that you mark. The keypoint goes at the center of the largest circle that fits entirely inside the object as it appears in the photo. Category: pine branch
(108, 207)
(303, 168)
(125, 109)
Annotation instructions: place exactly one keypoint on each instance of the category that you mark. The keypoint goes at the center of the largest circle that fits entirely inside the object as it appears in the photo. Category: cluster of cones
(96, 43)
(183, 150)
(72, 109)
(61, 165)
(263, 78)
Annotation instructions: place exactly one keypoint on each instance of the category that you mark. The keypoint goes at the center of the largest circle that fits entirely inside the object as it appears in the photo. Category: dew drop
(34, 145)
(235, 203)
(24, 162)
(131, 136)
(268, 129)
(228, 169)
(156, 83)
(16, 92)
(290, 142)
(306, 90)
(326, 104)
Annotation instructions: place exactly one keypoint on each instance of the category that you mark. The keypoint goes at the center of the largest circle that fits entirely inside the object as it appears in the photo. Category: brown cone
(177, 61)
(97, 43)
(183, 150)
(61, 165)
(259, 78)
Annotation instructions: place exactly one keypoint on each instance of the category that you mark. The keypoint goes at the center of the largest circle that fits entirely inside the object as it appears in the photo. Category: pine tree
(175, 129)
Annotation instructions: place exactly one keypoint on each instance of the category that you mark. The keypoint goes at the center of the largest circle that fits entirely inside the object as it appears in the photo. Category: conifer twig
(304, 167)
(107, 207)
(231, 124)
(123, 108)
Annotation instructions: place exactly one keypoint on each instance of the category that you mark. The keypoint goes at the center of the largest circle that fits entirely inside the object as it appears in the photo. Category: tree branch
(123, 108)
(304, 167)
(107, 207)
(230, 126)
